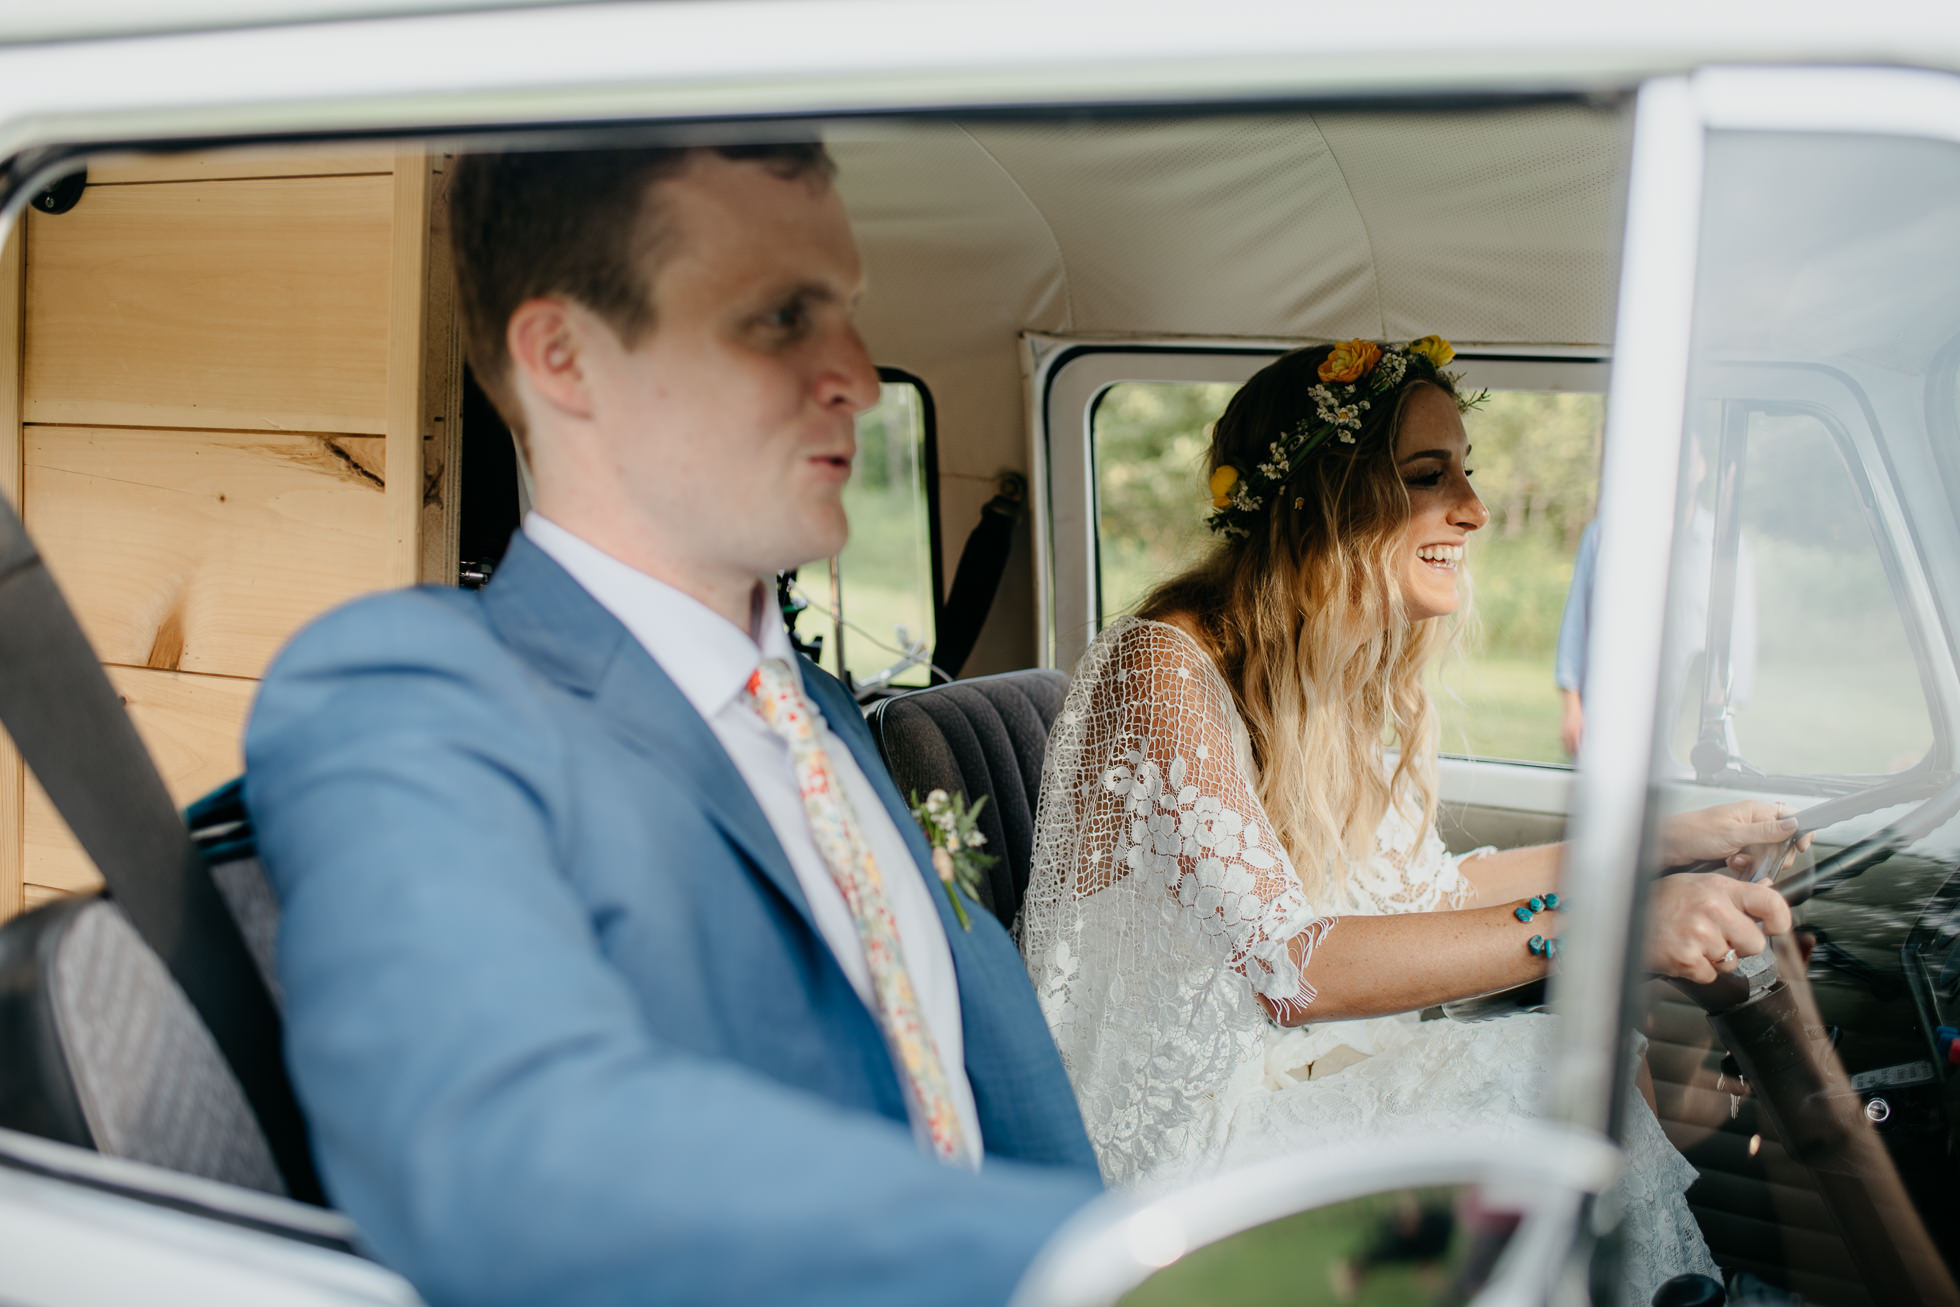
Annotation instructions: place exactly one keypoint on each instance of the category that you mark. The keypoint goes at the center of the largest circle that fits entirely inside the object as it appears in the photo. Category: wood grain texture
(36, 895)
(12, 792)
(204, 551)
(212, 165)
(253, 305)
(193, 727)
(442, 371)
(407, 304)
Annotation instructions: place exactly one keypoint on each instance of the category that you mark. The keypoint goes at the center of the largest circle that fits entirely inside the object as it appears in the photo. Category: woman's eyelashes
(1430, 479)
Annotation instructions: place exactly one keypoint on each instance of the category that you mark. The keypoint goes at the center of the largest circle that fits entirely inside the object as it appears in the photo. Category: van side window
(1536, 459)
(886, 578)
(1805, 547)
(1148, 441)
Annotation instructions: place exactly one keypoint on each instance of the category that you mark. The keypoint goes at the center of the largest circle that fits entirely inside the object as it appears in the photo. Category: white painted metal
(1433, 45)
(172, 1188)
(1541, 788)
(1119, 1242)
(72, 1245)
(1636, 521)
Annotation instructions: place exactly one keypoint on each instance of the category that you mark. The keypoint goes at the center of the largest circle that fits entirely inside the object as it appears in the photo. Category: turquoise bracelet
(1540, 946)
(1546, 902)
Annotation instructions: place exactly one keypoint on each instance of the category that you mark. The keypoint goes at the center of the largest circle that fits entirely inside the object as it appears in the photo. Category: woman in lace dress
(1239, 901)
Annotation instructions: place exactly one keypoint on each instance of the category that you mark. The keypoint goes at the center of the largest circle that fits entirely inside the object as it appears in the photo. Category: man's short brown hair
(576, 223)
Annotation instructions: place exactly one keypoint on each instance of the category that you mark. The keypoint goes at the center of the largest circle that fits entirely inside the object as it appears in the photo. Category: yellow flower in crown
(1350, 361)
(1434, 348)
(1222, 482)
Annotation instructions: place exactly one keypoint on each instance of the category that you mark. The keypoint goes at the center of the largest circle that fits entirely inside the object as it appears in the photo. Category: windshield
(1808, 659)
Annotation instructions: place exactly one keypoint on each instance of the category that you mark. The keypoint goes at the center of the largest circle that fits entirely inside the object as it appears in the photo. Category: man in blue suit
(584, 1003)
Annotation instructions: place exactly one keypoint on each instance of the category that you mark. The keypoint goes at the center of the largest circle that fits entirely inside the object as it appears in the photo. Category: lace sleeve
(1410, 870)
(1164, 796)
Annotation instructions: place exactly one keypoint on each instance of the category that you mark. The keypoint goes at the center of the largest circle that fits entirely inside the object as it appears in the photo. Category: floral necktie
(780, 702)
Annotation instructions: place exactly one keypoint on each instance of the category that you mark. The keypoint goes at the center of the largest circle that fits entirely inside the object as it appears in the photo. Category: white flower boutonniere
(952, 828)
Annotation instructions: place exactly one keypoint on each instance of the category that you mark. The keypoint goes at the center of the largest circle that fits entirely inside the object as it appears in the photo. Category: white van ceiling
(1489, 227)
(1495, 227)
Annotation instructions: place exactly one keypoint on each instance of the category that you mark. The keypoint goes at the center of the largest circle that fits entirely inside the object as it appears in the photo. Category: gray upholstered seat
(102, 1050)
(100, 1047)
(987, 735)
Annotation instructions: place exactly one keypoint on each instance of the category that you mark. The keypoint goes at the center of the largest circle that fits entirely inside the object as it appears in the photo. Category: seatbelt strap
(983, 560)
(73, 732)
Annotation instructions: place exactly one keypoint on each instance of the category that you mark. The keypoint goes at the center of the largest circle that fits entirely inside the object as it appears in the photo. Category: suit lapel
(644, 708)
(834, 702)
(565, 633)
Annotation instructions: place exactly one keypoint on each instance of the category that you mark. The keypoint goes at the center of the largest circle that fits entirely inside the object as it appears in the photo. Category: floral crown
(1355, 374)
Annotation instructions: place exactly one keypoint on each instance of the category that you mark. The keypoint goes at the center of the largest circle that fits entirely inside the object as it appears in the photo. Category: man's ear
(546, 339)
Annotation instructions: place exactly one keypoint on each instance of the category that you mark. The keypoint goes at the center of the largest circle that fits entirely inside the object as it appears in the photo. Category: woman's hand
(1696, 920)
(1735, 833)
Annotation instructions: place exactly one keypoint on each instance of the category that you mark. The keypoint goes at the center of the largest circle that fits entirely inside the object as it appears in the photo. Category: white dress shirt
(710, 661)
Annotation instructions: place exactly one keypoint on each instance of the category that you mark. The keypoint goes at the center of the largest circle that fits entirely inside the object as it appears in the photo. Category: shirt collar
(708, 658)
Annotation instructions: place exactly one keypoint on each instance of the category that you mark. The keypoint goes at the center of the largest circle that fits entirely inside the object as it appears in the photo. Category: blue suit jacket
(556, 1009)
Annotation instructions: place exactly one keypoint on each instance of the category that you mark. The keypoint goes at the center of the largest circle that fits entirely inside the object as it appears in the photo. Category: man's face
(731, 423)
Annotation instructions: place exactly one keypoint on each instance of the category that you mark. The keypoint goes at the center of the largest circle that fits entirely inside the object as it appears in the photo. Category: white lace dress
(1160, 901)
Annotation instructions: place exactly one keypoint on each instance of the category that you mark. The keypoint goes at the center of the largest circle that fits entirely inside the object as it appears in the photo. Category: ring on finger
(1728, 959)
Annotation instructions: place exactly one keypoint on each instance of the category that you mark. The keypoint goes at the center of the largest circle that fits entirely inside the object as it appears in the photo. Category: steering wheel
(1766, 1016)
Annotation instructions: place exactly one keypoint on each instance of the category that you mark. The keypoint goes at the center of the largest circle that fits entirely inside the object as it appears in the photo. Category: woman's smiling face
(1430, 450)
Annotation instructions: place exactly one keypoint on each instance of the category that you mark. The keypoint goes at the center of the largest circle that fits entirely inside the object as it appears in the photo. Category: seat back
(987, 735)
(101, 1049)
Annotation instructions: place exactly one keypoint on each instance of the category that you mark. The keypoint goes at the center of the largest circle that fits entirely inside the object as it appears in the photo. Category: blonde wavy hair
(1304, 619)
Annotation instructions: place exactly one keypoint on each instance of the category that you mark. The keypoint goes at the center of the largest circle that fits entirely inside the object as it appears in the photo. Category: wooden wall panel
(442, 371)
(192, 725)
(210, 165)
(407, 414)
(204, 551)
(12, 791)
(255, 305)
(221, 358)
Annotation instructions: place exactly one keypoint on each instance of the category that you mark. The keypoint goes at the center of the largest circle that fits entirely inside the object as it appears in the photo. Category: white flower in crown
(1389, 372)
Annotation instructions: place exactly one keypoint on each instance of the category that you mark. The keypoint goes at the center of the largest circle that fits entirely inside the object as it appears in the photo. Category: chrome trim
(1644, 411)
(1122, 1239)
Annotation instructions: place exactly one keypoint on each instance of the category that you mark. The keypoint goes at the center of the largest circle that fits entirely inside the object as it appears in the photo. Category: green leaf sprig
(952, 827)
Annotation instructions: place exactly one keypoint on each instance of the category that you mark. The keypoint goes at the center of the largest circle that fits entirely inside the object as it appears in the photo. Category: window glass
(1806, 547)
(1813, 548)
(1536, 459)
(885, 574)
(1150, 439)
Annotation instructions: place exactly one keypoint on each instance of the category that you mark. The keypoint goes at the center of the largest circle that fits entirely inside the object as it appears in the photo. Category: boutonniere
(952, 827)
